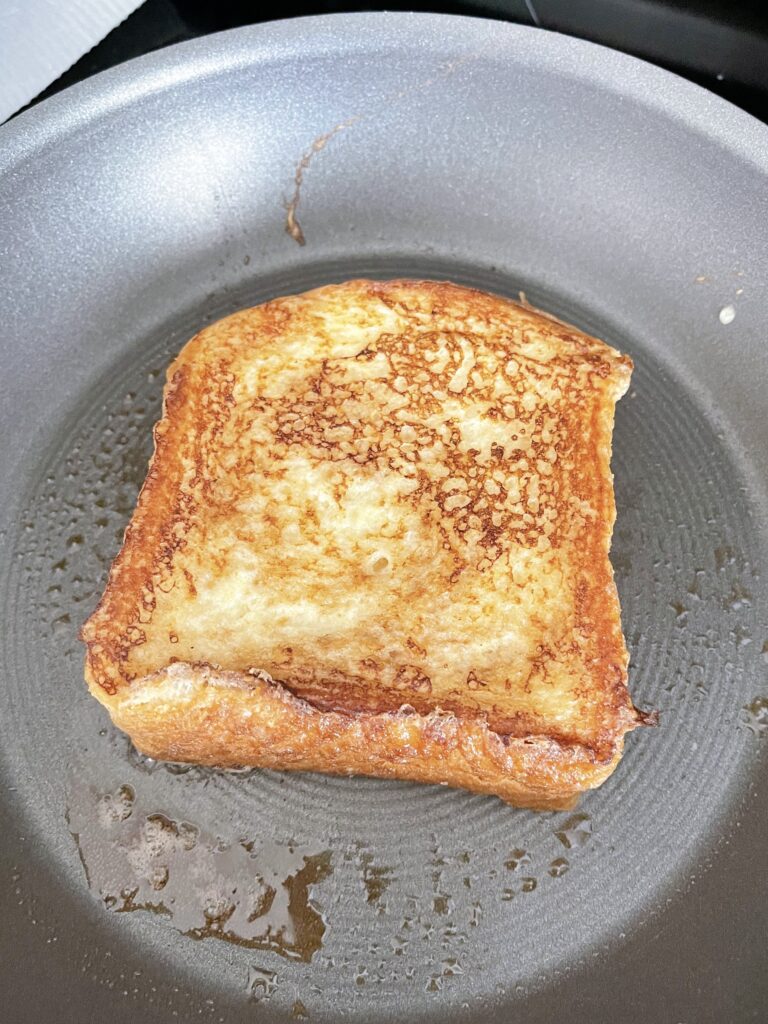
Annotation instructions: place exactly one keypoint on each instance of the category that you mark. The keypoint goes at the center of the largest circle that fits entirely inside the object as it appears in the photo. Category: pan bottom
(305, 893)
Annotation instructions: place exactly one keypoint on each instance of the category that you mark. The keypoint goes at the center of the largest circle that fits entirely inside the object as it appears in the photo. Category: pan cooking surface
(175, 892)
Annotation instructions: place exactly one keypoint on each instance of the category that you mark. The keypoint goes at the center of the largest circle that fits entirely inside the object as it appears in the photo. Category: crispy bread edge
(197, 714)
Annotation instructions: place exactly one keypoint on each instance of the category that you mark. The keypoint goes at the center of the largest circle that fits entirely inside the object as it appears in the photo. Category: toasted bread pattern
(383, 496)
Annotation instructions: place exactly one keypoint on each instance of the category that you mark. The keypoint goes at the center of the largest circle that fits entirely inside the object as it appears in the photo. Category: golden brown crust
(228, 720)
(381, 493)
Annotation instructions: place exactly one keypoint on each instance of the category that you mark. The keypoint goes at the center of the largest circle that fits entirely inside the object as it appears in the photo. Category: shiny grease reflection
(257, 895)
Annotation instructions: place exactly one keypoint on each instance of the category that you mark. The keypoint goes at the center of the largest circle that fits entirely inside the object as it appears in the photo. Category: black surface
(719, 45)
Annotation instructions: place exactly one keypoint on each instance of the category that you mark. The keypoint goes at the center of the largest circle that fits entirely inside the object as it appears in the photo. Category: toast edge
(201, 715)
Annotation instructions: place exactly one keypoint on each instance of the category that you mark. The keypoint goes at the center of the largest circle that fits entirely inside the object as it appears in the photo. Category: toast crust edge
(201, 715)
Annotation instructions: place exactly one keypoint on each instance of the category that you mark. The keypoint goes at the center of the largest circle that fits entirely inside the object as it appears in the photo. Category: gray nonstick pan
(157, 197)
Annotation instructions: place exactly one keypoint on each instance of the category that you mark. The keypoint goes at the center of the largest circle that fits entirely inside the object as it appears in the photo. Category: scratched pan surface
(153, 199)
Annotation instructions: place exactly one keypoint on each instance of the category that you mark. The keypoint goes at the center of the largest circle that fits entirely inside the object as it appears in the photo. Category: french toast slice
(374, 538)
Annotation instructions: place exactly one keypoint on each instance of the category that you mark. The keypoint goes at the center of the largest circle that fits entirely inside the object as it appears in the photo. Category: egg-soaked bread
(374, 538)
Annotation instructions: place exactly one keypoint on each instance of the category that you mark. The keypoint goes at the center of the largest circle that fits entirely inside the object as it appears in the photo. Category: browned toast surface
(380, 495)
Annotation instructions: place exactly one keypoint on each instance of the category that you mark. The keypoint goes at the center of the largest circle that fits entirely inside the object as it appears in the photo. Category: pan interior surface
(219, 175)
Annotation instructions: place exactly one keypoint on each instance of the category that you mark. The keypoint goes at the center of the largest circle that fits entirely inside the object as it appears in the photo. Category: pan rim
(634, 79)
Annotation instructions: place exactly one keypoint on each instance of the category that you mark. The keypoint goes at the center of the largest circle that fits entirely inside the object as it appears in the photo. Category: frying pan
(166, 193)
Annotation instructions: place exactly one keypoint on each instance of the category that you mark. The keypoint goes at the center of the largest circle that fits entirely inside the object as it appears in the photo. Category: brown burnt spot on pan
(292, 226)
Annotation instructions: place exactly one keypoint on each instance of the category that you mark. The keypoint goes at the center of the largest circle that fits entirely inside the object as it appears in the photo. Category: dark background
(722, 46)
